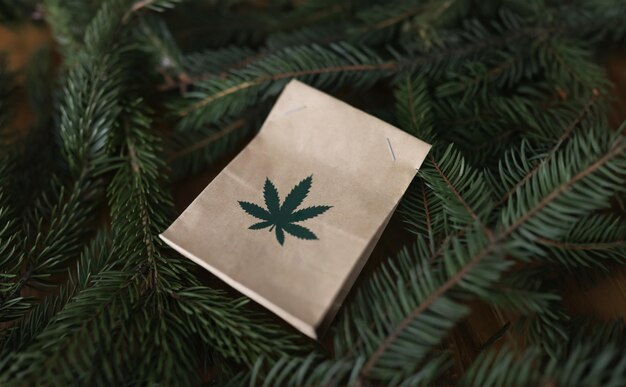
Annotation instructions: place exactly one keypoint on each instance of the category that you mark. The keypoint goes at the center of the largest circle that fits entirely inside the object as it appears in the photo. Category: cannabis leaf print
(283, 218)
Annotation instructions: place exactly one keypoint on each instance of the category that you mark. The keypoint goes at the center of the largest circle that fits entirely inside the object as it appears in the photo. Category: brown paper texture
(359, 165)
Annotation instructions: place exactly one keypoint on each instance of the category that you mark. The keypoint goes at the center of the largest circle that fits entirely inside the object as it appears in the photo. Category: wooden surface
(606, 300)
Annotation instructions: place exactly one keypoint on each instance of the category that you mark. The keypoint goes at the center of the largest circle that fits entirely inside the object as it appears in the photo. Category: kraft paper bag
(292, 219)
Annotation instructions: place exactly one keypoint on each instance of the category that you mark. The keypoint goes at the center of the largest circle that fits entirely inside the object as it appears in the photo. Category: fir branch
(582, 365)
(567, 132)
(87, 113)
(527, 291)
(338, 59)
(478, 252)
(594, 241)
(147, 347)
(615, 151)
(207, 141)
(573, 66)
(139, 206)
(582, 246)
(414, 108)
(463, 191)
(53, 245)
(192, 151)
(92, 90)
(423, 211)
(89, 313)
(11, 257)
(69, 20)
(603, 165)
(154, 5)
(137, 216)
(155, 39)
(339, 63)
(227, 326)
(518, 93)
(379, 17)
(93, 260)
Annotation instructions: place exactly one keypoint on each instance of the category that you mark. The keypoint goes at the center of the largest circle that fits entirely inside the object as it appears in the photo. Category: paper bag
(292, 219)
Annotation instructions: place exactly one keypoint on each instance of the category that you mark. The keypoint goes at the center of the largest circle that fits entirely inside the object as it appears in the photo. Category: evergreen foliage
(522, 192)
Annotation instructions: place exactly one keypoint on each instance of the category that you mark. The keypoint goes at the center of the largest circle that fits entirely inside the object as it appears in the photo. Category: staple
(288, 112)
(393, 155)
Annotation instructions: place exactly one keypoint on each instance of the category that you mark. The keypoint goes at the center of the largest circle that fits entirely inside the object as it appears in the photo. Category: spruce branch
(135, 196)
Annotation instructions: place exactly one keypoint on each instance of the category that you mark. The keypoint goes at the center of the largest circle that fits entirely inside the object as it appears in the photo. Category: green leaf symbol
(283, 218)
